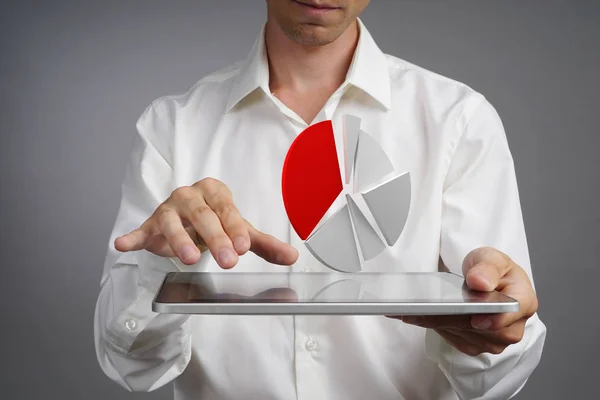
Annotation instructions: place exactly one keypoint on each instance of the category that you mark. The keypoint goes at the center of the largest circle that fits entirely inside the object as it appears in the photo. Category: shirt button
(311, 345)
(131, 324)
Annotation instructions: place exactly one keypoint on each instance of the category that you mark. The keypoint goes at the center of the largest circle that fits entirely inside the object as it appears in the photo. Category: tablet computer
(289, 293)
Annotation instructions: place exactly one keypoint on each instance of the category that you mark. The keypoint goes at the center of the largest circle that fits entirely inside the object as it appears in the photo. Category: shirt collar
(368, 71)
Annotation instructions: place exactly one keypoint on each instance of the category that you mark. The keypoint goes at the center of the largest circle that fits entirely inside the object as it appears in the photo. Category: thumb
(483, 268)
(270, 248)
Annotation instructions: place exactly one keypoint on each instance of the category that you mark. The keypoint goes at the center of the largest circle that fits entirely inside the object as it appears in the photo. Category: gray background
(75, 75)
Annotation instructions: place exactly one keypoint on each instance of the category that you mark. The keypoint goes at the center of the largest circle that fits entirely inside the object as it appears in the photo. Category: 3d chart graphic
(312, 181)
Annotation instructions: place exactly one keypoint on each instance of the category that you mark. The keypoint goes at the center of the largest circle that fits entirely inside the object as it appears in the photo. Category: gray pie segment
(333, 244)
(390, 203)
(372, 163)
(351, 129)
(370, 243)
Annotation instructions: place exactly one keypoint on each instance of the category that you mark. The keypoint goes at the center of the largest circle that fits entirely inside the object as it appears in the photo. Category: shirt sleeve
(481, 207)
(137, 348)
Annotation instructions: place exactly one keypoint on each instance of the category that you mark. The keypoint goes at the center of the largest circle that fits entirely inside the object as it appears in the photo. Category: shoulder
(158, 120)
(439, 94)
(213, 88)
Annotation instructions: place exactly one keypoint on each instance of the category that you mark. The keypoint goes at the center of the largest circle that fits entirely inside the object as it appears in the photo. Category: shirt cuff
(489, 376)
(137, 328)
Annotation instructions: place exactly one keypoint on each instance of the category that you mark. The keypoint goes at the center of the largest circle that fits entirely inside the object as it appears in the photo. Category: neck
(303, 69)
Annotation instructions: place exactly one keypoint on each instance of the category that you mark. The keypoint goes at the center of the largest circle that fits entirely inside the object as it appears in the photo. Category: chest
(246, 151)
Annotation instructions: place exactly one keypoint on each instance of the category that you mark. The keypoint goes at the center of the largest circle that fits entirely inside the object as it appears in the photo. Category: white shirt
(230, 127)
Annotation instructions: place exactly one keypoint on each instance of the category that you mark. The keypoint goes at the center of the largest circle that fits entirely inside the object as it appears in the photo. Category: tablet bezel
(479, 306)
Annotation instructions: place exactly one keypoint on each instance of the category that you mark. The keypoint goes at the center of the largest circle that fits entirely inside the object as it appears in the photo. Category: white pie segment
(389, 204)
(370, 243)
(351, 128)
(372, 163)
(333, 243)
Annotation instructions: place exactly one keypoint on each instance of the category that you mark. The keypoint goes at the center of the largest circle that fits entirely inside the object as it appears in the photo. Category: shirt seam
(214, 77)
(400, 64)
(169, 135)
(455, 142)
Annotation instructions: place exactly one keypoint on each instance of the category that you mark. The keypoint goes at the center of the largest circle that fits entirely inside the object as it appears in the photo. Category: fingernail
(226, 257)
(485, 279)
(188, 252)
(240, 243)
(483, 325)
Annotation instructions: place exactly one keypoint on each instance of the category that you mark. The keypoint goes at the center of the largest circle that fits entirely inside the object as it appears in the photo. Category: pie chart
(375, 198)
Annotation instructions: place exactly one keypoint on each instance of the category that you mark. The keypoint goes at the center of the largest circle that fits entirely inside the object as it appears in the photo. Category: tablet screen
(362, 287)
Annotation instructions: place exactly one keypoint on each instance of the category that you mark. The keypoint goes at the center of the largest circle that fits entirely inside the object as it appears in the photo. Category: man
(206, 171)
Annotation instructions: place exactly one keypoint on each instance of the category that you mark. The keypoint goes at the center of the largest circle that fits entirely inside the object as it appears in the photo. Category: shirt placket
(309, 363)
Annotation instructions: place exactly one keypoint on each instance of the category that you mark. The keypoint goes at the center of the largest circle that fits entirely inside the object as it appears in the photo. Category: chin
(313, 35)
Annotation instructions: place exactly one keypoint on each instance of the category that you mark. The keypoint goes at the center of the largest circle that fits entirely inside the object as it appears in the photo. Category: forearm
(481, 209)
(489, 376)
(137, 348)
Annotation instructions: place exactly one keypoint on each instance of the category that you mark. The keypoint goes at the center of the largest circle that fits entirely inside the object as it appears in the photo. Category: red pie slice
(311, 177)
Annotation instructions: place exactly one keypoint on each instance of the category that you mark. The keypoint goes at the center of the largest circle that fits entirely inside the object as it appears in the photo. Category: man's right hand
(204, 215)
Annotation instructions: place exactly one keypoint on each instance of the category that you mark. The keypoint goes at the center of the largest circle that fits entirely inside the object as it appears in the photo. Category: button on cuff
(131, 324)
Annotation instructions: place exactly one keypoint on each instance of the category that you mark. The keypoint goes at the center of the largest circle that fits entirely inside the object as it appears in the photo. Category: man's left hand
(486, 269)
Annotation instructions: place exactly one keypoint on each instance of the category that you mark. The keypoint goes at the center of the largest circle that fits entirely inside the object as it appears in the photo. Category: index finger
(135, 240)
